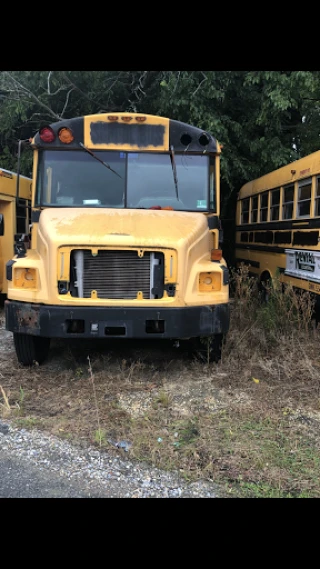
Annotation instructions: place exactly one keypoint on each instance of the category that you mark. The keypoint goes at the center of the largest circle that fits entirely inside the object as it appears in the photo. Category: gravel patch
(41, 465)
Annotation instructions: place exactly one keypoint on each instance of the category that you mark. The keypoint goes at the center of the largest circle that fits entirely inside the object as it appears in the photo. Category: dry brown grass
(250, 423)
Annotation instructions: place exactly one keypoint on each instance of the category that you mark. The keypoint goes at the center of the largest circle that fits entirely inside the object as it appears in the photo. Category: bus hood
(124, 228)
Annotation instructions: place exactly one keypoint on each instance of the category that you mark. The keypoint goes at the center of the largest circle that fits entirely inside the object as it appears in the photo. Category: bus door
(7, 232)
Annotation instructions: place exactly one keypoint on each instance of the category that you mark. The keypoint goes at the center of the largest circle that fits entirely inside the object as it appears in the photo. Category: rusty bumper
(102, 322)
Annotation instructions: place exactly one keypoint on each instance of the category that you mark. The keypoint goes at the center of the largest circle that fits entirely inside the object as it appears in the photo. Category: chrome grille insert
(114, 275)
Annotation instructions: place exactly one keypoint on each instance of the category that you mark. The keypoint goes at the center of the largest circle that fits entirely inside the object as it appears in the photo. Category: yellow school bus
(124, 237)
(15, 208)
(278, 225)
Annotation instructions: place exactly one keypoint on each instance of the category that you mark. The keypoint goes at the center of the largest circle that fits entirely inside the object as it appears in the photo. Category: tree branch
(66, 102)
(199, 86)
(62, 88)
(78, 88)
(32, 96)
(50, 72)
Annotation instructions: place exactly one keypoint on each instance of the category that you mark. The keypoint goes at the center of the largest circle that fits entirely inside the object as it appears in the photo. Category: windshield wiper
(174, 170)
(99, 160)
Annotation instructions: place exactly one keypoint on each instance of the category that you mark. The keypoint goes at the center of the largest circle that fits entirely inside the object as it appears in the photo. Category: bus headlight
(209, 282)
(25, 278)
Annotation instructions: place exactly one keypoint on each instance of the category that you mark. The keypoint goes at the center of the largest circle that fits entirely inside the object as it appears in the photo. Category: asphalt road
(19, 479)
(22, 478)
(37, 465)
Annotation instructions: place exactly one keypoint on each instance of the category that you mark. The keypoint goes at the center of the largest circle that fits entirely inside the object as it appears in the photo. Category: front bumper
(100, 322)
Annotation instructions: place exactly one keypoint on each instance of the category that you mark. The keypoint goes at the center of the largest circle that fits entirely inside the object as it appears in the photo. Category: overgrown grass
(250, 423)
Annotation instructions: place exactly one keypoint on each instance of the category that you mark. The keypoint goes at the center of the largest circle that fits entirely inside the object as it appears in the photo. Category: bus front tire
(265, 286)
(207, 350)
(31, 350)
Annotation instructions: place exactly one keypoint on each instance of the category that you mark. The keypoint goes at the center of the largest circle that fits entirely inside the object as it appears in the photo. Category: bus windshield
(126, 180)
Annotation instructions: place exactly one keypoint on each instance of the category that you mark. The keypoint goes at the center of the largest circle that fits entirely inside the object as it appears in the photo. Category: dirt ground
(132, 374)
(252, 424)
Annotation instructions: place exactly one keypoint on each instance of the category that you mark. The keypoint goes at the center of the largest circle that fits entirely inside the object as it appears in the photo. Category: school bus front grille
(114, 275)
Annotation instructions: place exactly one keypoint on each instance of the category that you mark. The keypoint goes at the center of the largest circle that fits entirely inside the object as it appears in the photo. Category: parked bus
(278, 225)
(125, 237)
(15, 209)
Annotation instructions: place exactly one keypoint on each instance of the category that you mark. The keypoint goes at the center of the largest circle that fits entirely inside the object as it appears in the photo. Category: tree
(263, 119)
(31, 99)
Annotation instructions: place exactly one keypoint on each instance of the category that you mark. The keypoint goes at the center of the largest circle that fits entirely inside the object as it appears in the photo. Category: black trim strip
(281, 225)
(306, 238)
(298, 238)
(226, 275)
(283, 238)
(213, 222)
(9, 266)
(267, 249)
(35, 216)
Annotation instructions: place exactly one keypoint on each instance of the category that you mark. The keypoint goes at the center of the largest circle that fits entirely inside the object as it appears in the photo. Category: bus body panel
(12, 222)
(182, 238)
(278, 224)
(127, 248)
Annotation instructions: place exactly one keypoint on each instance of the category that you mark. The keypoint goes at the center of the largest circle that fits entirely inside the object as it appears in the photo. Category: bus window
(212, 188)
(275, 205)
(288, 198)
(264, 207)
(151, 181)
(254, 210)
(245, 211)
(317, 199)
(304, 198)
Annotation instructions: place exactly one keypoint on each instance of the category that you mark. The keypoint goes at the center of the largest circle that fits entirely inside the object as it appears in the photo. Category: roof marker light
(66, 135)
(47, 135)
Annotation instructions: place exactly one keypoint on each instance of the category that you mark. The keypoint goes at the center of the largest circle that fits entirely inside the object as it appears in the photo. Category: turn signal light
(25, 278)
(66, 135)
(209, 282)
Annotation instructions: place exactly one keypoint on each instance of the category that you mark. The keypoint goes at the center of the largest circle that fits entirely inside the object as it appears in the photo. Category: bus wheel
(31, 349)
(265, 285)
(208, 350)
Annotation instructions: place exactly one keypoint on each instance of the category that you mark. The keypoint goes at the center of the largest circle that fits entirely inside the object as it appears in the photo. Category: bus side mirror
(1, 224)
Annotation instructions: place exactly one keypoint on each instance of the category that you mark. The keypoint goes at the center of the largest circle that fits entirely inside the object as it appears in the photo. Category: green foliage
(264, 119)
